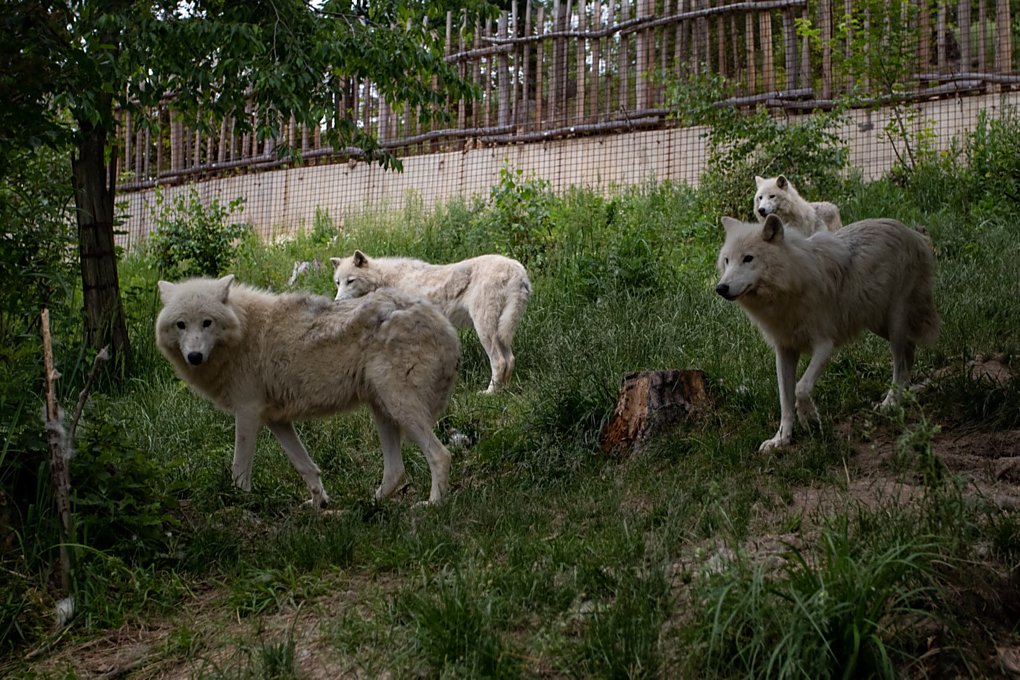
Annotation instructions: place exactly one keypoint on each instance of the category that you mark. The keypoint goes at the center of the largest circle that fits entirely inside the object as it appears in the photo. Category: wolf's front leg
(301, 461)
(786, 375)
(806, 409)
(246, 430)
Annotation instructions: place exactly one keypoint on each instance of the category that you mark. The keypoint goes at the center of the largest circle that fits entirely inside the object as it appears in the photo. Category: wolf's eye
(726, 260)
(180, 324)
(207, 323)
(748, 258)
(350, 281)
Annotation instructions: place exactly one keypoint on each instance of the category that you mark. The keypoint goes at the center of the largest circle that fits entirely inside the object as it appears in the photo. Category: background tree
(69, 66)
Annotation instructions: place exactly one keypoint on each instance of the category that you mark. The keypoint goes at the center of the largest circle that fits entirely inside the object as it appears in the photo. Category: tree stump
(651, 402)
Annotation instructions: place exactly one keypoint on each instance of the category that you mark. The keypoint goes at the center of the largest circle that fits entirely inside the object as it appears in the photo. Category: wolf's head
(354, 276)
(771, 195)
(195, 319)
(750, 257)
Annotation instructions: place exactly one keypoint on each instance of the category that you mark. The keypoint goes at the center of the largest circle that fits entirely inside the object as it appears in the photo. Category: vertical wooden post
(58, 460)
(503, 73)
(461, 71)
(596, 62)
(825, 26)
(752, 61)
(982, 43)
(963, 17)
(515, 97)
(624, 60)
(721, 40)
(558, 85)
(805, 55)
(487, 90)
(524, 114)
(768, 69)
(790, 53)
(1003, 38)
(126, 158)
(539, 70)
(641, 59)
(924, 36)
(176, 146)
(940, 38)
(582, 53)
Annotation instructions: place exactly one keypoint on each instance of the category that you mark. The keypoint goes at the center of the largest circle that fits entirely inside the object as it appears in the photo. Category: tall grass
(549, 558)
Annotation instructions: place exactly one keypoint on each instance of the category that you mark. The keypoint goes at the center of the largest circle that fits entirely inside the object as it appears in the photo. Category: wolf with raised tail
(274, 359)
(811, 295)
(488, 292)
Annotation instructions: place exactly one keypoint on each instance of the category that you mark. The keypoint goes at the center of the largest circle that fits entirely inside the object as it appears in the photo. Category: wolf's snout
(724, 290)
(195, 358)
(762, 212)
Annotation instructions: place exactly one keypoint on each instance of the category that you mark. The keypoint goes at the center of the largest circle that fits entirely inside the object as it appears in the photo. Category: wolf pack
(388, 338)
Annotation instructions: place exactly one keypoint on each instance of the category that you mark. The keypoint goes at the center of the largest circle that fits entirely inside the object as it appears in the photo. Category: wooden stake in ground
(58, 456)
(649, 403)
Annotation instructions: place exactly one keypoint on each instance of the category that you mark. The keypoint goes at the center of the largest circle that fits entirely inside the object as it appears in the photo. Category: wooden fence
(587, 67)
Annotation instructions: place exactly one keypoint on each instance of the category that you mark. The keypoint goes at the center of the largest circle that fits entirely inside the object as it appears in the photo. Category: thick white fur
(777, 196)
(274, 359)
(489, 292)
(811, 295)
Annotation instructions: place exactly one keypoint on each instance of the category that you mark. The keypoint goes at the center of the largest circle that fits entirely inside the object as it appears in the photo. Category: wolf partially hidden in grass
(488, 292)
(777, 196)
(273, 359)
(811, 295)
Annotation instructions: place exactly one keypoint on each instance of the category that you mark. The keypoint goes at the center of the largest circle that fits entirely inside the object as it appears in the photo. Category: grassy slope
(696, 558)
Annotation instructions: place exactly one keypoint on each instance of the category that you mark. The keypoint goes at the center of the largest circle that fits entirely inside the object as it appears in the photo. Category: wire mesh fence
(604, 94)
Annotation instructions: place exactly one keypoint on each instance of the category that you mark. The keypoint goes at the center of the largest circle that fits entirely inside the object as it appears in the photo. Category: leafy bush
(121, 502)
(518, 220)
(192, 239)
(808, 150)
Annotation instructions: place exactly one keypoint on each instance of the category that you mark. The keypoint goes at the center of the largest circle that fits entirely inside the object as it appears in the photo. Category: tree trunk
(94, 184)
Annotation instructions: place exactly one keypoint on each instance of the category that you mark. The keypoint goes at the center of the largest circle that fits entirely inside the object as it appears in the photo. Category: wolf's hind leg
(903, 364)
(497, 362)
(393, 462)
(806, 409)
(419, 430)
(301, 461)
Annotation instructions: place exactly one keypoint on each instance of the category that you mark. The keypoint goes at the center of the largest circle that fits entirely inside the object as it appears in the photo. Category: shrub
(192, 239)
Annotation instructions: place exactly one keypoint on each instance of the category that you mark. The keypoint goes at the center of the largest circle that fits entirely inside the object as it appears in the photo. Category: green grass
(549, 558)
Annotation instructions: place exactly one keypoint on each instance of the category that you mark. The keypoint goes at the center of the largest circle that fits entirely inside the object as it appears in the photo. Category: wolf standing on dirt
(777, 196)
(274, 359)
(811, 295)
(489, 292)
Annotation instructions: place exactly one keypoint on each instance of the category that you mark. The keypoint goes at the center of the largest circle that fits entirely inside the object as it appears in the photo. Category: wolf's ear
(166, 290)
(781, 181)
(224, 285)
(336, 262)
(772, 230)
(360, 259)
(758, 180)
(730, 224)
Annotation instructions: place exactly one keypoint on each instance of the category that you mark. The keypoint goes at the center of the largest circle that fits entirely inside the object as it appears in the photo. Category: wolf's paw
(891, 403)
(493, 388)
(388, 488)
(319, 499)
(777, 442)
(242, 480)
(807, 412)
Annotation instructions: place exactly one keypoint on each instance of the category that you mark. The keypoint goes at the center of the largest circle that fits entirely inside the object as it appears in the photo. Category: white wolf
(274, 359)
(489, 292)
(778, 196)
(811, 295)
